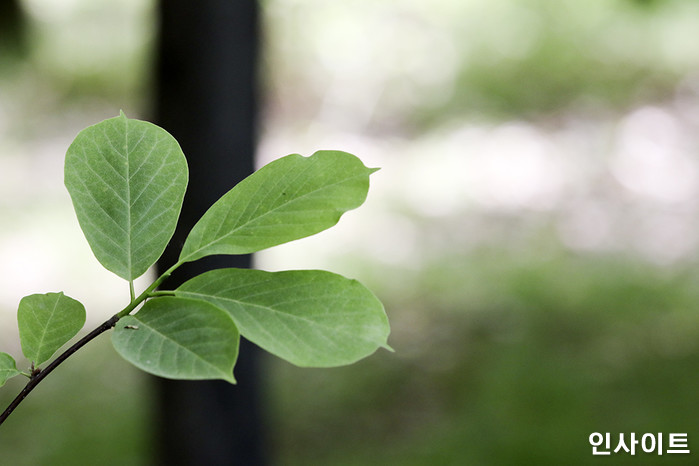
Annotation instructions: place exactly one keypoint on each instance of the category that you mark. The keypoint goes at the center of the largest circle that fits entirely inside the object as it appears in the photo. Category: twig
(38, 375)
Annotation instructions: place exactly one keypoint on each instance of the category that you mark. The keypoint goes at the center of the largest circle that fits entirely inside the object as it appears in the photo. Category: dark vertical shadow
(13, 40)
(206, 98)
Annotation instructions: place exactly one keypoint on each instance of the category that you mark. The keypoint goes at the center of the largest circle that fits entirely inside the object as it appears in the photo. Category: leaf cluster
(127, 180)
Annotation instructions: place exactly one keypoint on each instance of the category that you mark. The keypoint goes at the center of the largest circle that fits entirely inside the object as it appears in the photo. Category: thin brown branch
(39, 375)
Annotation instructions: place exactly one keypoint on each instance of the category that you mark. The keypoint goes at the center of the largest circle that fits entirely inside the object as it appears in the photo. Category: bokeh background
(533, 231)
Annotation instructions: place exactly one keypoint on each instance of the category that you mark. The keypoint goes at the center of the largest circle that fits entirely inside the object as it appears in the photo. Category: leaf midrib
(45, 330)
(179, 345)
(128, 198)
(270, 309)
(269, 212)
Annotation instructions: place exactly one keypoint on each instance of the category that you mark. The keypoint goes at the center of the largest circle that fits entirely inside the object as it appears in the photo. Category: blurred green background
(533, 230)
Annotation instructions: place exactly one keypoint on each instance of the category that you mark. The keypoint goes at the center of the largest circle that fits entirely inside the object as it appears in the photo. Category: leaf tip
(387, 347)
(122, 114)
(373, 170)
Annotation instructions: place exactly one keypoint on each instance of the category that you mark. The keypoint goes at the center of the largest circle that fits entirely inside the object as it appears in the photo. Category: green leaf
(127, 180)
(47, 322)
(8, 368)
(179, 339)
(290, 198)
(308, 317)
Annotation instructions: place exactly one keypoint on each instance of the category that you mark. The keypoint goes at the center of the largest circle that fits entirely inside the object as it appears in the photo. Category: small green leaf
(8, 368)
(308, 317)
(290, 198)
(179, 339)
(47, 322)
(127, 180)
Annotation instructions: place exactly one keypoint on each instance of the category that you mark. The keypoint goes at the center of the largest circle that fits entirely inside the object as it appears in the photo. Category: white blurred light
(516, 167)
(650, 160)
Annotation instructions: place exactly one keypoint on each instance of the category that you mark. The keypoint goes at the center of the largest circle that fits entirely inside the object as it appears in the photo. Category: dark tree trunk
(12, 28)
(206, 98)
